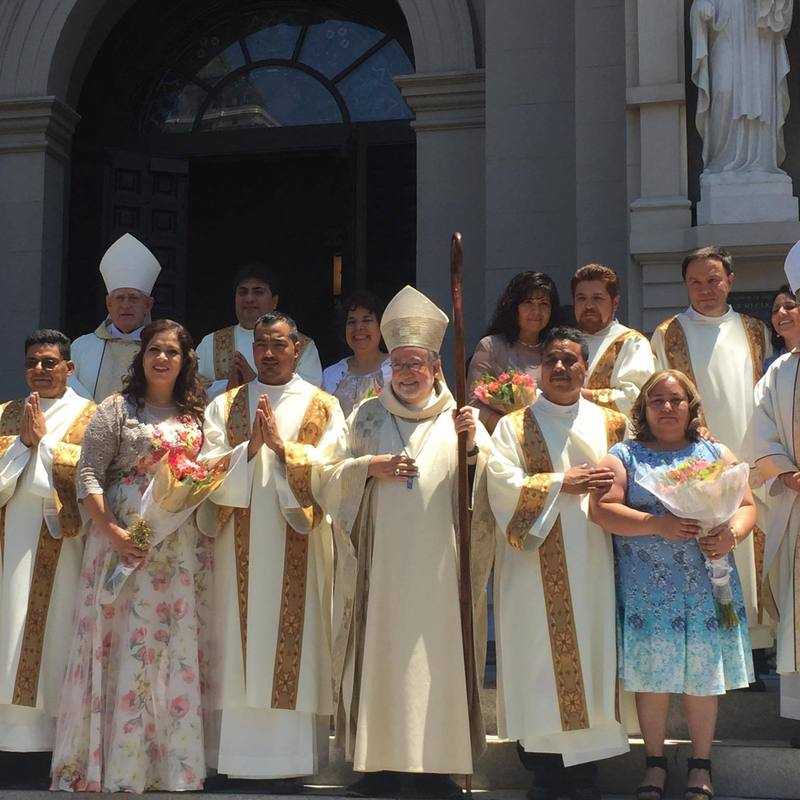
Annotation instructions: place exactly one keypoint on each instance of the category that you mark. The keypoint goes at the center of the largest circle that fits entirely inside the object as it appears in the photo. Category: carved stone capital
(446, 100)
(37, 124)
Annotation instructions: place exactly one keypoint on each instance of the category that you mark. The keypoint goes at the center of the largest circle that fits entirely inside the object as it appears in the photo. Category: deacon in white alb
(40, 551)
(620, 358)
(776, 435)
(102, 358)
(554, 577)
(397, 648)
(270, 692)
(226, 356)
(723, 353)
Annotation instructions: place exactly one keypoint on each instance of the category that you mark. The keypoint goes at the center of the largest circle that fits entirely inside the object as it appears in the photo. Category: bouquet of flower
(710, 492)
(178, 486)
(509, 391)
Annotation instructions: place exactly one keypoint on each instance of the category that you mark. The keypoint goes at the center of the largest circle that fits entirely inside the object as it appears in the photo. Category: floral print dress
(131, 716)
(668, 635)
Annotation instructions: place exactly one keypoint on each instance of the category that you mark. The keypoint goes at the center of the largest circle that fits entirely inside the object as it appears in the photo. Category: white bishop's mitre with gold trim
(792, 268)
(411, 320)
(128, 264)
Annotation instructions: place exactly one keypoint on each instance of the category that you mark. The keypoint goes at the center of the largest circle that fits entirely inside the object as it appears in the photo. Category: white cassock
(272, 674)
(776, 433)
(397, 645)
(724, 356)
(309, 367)
(102, 360)
(554, 601)
(35, 634)
(620, 361)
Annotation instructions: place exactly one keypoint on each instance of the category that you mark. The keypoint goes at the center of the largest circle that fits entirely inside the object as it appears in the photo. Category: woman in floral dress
(130, 717)
(669, 638)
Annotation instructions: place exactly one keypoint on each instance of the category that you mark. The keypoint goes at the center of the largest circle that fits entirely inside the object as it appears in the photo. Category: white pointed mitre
(411, 320)
(128, 264)
(792, 268)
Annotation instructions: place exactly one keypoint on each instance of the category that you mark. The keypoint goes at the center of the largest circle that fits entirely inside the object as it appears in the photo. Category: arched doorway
(222, 132)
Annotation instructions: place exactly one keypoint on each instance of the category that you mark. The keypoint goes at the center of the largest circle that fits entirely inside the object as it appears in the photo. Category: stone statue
(740, 66)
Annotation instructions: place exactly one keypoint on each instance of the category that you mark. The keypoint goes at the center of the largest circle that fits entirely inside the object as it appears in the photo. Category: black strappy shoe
(698, 792)
(650, 792)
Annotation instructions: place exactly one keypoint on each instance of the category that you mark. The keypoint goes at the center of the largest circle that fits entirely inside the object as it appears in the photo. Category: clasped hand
(265, 431)
(33, 426)
(584, 479)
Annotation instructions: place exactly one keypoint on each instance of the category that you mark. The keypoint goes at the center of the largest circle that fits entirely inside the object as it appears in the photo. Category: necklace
(410, 479)
(529, 346)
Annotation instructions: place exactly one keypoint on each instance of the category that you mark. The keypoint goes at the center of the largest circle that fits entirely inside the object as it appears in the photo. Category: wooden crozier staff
(465, 577)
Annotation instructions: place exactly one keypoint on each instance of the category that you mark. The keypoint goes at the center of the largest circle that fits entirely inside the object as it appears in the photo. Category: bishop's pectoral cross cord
(426, 436)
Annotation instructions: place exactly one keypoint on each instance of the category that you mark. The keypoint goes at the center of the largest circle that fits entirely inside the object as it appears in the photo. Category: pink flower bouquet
(710, 492)
(509, 391)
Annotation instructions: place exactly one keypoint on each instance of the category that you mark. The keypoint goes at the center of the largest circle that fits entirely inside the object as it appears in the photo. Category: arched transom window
(285, 73)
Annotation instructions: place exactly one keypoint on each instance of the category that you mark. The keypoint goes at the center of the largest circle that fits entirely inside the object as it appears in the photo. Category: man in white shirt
(226, 356)
(620, 358)
(102, 358)
(723, 353)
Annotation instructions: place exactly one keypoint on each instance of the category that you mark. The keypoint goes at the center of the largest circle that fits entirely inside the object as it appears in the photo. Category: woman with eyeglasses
(130, 713)
(670, 640)
(364, 373)
(526, 310)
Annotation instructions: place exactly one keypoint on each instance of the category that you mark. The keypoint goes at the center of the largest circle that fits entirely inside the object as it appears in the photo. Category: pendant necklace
(410, 478)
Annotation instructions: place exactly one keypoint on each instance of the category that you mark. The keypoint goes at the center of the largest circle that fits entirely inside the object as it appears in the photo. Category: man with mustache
(270, 694)
(102, 358)
(554, 578)
(226, 356)
(40, 550)
(620, 359)
(723, 353)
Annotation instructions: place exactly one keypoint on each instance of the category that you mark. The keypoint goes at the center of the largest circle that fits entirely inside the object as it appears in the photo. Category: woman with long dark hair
(129, 717)
(526, 310)
(785, 319)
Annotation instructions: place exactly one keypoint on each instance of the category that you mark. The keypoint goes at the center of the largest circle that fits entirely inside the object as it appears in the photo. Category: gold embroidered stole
(115, 361)
(554, 571)
(225, 349)
(599, 382)
(288, 652)
(65, 460)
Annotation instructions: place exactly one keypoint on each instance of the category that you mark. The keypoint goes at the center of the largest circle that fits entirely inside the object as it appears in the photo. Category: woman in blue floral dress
(669, 638)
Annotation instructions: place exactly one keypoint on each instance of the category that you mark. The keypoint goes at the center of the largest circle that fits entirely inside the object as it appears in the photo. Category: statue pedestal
(735, 197)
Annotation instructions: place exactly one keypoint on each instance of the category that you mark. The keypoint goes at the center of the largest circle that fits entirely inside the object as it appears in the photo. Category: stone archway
(46, 49)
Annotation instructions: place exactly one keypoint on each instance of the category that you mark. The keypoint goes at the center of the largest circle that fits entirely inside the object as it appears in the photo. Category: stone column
(450, 109)
(35, 139)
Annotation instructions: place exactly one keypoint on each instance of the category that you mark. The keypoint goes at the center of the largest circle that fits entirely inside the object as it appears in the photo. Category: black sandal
(698, 792)
(657, 792)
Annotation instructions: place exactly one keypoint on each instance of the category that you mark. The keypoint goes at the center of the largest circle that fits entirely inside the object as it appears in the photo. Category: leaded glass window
(286, 72)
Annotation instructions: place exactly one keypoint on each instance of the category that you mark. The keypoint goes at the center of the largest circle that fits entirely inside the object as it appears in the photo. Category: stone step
(762, 769)
(742, 716)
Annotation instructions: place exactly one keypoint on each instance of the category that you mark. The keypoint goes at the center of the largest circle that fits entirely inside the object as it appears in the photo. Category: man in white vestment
(225, 356)
(620, 358)
(555, 613)
(723, 353)
(270, 694)
(40, 550)
(403, 715)
(102, 358)
(776, 447)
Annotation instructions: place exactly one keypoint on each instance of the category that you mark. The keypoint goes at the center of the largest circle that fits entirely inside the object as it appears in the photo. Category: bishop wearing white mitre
(554, 574)
(225, 357)
(776, 435)
(398, 649)
(723, 353)
(271, 676)
(40, 549)
(102, 358)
